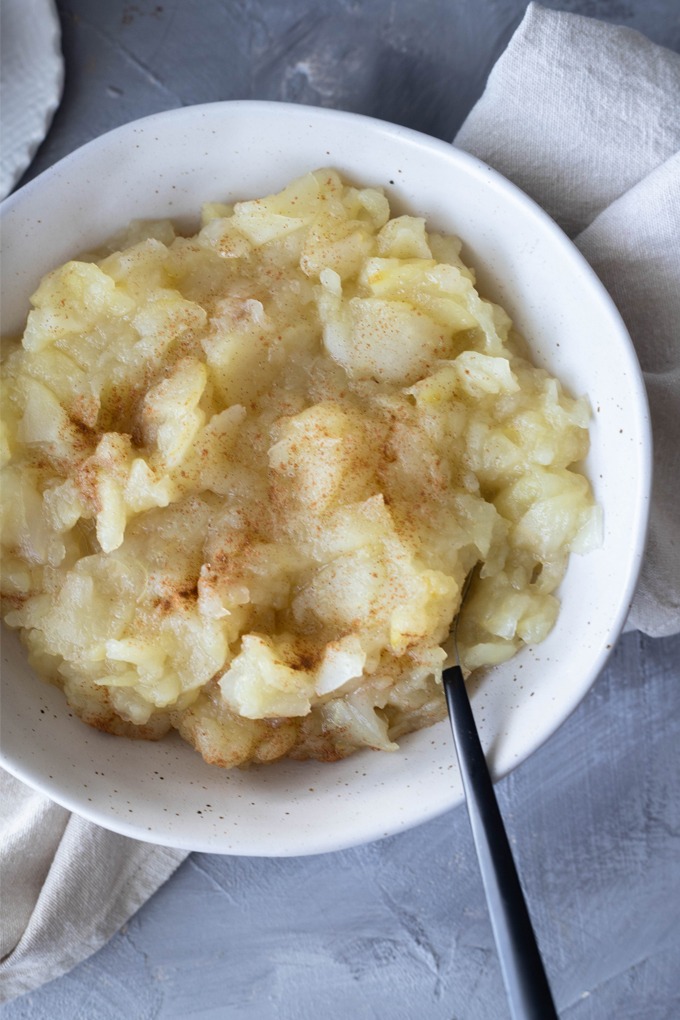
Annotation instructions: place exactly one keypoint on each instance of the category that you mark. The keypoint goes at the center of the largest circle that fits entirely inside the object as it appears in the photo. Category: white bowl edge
(348, 793)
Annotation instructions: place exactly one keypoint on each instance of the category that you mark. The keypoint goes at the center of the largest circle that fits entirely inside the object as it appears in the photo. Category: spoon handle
(526, 984)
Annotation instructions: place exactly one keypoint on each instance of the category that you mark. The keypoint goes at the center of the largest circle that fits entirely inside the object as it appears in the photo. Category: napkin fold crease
(584, 117)
(66, 886)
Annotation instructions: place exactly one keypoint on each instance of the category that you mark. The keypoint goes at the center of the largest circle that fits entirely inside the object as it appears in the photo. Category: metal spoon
(524, 977)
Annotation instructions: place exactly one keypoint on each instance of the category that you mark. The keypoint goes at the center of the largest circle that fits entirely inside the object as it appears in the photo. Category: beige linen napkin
(66, 886)
(583, 117)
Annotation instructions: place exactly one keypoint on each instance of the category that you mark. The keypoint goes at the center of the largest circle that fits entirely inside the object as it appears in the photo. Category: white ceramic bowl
(167, 165)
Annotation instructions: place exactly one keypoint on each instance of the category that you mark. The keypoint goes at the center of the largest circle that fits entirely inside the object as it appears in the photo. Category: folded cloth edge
(57, 938)
(496, 131)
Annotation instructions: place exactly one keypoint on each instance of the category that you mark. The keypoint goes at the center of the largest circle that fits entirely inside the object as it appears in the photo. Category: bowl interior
(167, 165)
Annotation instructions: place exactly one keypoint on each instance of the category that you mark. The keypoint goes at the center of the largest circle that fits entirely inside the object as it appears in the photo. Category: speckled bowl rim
(387, 793)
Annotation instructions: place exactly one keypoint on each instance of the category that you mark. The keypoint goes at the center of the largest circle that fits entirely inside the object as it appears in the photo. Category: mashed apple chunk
(246, 473)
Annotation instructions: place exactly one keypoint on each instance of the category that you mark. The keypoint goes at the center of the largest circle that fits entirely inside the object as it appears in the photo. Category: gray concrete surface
(397, 929)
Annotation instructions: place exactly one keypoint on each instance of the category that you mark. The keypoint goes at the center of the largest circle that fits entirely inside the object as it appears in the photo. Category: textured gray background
(397, 929)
